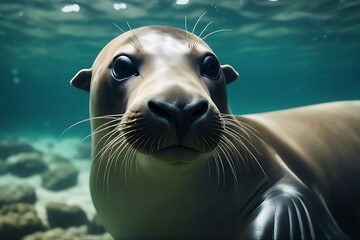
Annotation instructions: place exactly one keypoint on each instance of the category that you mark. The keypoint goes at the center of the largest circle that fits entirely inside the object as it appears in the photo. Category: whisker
(219, 162)
(107, 142)
(245, 128)
(248, 140)
(136, 38)
(237, 122)
(241, 133)
(215, 159)
(120, 139)
(255, 158)
(191, 45)
(208, 163)
(98, 161)
(197, 42)
(207, 25)
(109, 163)
(193, 30)
(87, 120)
(241, 143)
(108, 146)
(216, 31)
(119, 151)
(131, 40)
(138, 155)
(152, 144)
(143, 139)
(186, 31)
(120, 148)
(123, 162)
(228, 160)
(209, 171)
(126, 160)
(129, 157)
(132, 159)
(234, 149)
(102, 128)
(108, 136)
(159, 142)
(209, 34)
(119, 27)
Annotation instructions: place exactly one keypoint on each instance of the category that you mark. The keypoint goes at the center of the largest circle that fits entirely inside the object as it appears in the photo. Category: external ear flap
(230, 73)
(82, 79)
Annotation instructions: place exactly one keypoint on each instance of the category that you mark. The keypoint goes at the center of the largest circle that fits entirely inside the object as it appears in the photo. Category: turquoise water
(288, 53)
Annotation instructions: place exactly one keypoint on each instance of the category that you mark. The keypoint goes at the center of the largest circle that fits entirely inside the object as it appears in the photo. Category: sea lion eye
(123, 68)
(210, 67)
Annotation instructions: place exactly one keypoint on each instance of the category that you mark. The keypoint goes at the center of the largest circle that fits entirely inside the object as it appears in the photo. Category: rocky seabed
(44, 191)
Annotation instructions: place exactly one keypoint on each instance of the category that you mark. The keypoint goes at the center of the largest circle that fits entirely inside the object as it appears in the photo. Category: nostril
(199, 109)
(178, 114)
(159, 110)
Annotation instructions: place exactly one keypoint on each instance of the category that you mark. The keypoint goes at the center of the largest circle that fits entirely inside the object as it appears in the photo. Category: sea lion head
(159, 91)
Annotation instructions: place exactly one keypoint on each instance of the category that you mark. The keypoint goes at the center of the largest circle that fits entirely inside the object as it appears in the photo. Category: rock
(12, 147)
(57, 158)
(73, 233)
(17, 194)
(83, 151)
(18, 220)
(4, 167)
(61, 177)
(79, 231)
(105, 236)
(26, 164)
(56, 233)
(95, 226)
(64, 216)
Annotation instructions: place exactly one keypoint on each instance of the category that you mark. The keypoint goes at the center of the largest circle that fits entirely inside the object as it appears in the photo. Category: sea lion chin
(170, 161)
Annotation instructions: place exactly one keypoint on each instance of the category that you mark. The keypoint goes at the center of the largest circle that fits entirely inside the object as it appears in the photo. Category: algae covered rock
(73, 233)
(83, 151)
(58, 159)
(64, 216)
(95, 226)
(18, 220)
(61, 177)
(26, 164)
(56, 233)
(12, 147)
(17, 194)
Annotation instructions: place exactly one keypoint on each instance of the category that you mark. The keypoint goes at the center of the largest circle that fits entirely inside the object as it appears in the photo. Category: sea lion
(170, 161)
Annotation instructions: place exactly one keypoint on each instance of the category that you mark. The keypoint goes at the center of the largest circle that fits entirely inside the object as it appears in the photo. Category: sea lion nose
(182, 115)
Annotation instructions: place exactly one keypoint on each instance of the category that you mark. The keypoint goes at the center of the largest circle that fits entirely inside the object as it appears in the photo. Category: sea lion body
(319, 145)
(170, 161)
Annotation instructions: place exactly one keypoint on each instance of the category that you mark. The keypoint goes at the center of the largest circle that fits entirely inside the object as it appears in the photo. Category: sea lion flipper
(230, 73)
(82, 79)
(288, 211)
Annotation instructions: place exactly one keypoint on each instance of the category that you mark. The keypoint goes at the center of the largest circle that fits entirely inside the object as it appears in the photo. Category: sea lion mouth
(175, 154)
(169, 131)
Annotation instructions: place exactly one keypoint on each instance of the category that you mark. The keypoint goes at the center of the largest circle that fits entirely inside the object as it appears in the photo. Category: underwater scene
(288, 53)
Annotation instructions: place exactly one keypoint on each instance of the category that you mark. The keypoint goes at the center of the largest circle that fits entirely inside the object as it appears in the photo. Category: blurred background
(288, 53)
